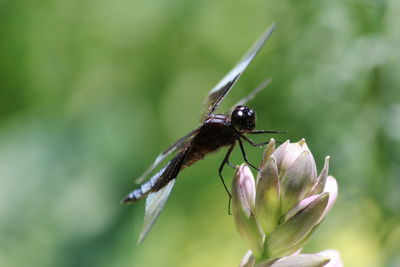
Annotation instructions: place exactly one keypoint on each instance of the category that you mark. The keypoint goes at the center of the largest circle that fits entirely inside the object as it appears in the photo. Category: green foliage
(91, 91)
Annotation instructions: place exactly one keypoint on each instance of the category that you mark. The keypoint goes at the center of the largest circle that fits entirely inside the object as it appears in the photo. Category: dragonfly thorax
(243, 118)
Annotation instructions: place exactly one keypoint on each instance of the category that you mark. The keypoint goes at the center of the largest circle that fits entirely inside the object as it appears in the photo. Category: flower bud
(243, 199)
(278, 214)
(297, 172)
(267, 197)
(284, 239)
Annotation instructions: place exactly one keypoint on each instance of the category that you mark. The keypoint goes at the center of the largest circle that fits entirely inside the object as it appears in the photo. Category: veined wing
(217, 94)
(174, 147)
(160, 189)
(154, 204)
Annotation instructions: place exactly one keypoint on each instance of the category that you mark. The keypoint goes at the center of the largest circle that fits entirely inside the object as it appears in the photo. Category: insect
(215, 131)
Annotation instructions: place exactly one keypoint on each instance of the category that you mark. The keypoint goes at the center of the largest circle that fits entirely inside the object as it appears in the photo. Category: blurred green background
(91, 91)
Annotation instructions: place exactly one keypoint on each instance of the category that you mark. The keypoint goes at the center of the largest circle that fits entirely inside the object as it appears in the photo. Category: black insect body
(215, 131)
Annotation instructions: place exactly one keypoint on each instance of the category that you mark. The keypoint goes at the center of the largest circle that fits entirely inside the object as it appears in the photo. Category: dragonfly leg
(251, 142)
(226, 161)
(245, 156)
(262, 132)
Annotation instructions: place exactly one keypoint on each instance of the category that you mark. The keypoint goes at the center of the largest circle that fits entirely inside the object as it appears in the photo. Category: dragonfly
(215, 131)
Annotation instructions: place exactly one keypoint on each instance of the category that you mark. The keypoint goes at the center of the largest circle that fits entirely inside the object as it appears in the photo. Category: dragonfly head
(243, 118)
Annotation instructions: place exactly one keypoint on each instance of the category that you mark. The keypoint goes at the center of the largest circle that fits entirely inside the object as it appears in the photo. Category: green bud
(243, 200)
(297, 228)
(267, 197)
(298, 175)
(278, 214)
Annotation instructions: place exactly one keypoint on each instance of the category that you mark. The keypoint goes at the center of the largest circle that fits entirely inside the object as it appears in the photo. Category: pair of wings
(156, 200)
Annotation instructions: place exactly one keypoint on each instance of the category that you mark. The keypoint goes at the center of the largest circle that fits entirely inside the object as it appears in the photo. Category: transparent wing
(174, 147)
(217, 94)
(160, 188)
(154, 204)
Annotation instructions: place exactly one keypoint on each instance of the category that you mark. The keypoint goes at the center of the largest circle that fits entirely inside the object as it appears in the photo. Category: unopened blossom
(243, 201)
(277, 212)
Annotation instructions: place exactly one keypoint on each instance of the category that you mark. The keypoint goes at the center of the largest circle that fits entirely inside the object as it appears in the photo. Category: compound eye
(243, 118)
